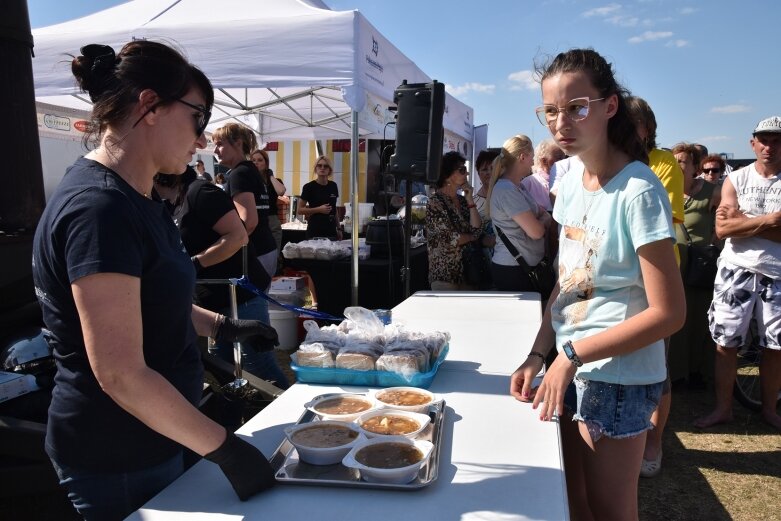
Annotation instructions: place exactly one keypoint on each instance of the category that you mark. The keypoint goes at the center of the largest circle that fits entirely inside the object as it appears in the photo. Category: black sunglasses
(461, 169)
(200, 123)
(203, 117)
(711, 170)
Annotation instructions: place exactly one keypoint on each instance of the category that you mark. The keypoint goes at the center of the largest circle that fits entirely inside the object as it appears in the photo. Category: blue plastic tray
(335, 375)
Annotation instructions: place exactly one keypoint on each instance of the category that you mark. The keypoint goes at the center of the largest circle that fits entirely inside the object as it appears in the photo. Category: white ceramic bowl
(346, 417)
(423, 408)
(421, 419)
(323, 455)
(399, 475)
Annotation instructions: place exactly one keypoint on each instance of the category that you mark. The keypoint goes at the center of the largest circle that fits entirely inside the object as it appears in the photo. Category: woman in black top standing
(275, 190)
(213, 235)
(232, 146)
(115, 289)
(318, 202)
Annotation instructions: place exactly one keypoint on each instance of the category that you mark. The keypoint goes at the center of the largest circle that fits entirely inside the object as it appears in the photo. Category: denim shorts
(106, 496)
(612, 410)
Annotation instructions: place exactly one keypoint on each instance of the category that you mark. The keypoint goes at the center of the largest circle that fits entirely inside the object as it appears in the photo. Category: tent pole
(354, 205)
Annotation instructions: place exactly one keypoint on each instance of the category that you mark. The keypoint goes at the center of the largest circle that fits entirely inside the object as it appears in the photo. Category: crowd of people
(132, 227)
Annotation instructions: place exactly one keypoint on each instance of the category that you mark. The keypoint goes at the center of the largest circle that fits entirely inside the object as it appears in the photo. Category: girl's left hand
(468, 189)
(554, 384)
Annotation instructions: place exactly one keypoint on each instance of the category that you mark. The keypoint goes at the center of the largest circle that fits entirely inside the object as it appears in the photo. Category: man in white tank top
(748, 283)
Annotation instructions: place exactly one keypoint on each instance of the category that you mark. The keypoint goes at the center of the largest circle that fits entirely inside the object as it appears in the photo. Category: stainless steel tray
(289, 469)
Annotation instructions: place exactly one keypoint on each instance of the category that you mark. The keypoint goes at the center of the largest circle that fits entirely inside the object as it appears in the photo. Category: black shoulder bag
(701, 263)
(542, 276)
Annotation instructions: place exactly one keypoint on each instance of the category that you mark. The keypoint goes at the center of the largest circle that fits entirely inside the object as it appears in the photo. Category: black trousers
(510, 278)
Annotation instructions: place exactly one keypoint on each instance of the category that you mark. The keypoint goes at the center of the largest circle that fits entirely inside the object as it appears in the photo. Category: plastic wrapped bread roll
(314, 355)
(405, 363)
(356, 361)
(435, 342)
(329, 336)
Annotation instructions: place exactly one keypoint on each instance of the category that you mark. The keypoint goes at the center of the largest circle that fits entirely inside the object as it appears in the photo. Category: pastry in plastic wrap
(330, 336)
(364, 321)
(356, 361)
(290, 251)
(405, 363)
(414, 349)
(314, 355)
(435, 342)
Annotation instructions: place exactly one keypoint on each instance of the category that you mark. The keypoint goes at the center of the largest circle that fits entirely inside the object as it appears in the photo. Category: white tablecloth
(498, 460)
(491, 332)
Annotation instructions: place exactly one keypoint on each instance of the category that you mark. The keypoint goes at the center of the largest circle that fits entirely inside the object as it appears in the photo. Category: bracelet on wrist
(537, 354)
(471, 205)
(218, 320)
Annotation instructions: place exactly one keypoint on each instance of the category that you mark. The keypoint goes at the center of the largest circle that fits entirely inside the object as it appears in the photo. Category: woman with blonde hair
(520, 223)
(232, 146)
(318, 202)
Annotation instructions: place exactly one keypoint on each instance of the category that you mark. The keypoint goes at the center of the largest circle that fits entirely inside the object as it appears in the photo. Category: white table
(490, 332)
(498, 460)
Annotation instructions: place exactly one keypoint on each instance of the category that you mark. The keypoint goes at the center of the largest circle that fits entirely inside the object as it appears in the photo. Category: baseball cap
(769, 125)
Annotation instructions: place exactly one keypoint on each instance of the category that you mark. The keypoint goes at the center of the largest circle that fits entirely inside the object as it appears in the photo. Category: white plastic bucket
(286, 324)
(365, 211)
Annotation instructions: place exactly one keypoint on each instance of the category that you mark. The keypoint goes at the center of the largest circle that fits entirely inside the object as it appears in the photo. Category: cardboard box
(15, 384)
(287, 283)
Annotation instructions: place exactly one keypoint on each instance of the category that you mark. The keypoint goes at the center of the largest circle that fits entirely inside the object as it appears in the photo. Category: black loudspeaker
(419, 132)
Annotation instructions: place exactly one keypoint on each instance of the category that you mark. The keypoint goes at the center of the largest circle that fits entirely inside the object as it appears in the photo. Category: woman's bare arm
(245, 205)
(232, 237)
(109, 306)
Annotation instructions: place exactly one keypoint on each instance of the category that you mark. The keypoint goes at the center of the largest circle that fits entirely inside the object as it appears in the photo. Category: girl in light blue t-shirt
(619, 292)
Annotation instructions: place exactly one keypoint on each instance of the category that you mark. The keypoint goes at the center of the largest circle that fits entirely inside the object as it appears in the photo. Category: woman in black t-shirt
(318, 202)
(115, 290)
(213, 235)
(275, 190)
(232, 146)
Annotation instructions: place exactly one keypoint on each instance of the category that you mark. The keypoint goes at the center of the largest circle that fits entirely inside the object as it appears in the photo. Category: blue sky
(706, 68)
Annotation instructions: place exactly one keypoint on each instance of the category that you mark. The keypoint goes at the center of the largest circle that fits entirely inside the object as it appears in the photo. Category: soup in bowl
(409, 399)
(343, 407)
(324, 442)
(389, 422)
(389, 459)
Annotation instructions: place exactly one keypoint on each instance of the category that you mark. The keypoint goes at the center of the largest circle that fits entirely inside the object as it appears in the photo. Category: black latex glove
(254, 333)
(247, 469)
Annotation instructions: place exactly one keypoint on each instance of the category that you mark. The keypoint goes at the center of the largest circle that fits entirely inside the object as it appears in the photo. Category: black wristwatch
(569, 350)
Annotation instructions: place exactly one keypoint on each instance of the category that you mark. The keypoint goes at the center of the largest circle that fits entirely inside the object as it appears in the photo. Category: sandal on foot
(650, 469)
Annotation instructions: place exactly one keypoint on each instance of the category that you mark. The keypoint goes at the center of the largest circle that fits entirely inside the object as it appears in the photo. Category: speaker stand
(405, 270)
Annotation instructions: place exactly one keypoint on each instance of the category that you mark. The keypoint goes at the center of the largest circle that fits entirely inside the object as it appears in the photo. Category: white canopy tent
(289, 69)
(294, 68)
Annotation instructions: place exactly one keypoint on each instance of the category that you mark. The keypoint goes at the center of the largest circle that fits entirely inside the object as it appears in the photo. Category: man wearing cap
(748, 283)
